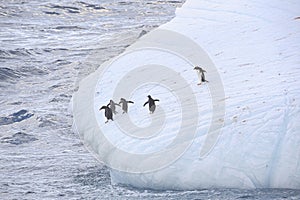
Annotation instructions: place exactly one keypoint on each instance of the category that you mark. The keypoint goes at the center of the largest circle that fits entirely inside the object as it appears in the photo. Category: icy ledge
(255, 47)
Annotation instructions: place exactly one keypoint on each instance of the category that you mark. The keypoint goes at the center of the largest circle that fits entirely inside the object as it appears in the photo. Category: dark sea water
(46, 48)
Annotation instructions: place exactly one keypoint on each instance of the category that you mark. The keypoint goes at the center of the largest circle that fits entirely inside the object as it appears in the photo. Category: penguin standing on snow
(124, 103)
(108, 113)
(201, 75)
(112, 106)
(151, 102)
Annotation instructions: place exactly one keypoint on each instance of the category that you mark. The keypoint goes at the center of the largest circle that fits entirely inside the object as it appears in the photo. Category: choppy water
(46, 48)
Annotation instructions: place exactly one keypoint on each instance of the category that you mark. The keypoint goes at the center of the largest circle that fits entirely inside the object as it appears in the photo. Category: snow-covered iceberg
(241, 129)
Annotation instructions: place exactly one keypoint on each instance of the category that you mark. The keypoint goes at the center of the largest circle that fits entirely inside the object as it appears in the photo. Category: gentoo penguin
(201, 75)
(151, 102)
(112, 106)
(124, 103)
(108, 113)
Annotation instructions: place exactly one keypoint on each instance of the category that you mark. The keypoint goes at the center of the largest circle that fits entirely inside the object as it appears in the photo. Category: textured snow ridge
(255, 47)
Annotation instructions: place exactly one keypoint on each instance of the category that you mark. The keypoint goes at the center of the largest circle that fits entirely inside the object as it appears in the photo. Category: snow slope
(252, 47)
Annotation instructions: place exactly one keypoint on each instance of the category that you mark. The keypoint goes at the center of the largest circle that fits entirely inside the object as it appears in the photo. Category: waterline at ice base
(238, 129)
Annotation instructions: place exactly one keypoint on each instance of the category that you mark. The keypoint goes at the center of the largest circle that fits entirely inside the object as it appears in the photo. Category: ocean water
(46, 49)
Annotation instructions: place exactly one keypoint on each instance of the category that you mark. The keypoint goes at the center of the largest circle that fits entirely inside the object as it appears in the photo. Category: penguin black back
(108, 113)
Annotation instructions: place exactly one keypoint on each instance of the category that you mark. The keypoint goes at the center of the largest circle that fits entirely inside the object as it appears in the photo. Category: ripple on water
(15, 117)
(19, 138)
(7, 74)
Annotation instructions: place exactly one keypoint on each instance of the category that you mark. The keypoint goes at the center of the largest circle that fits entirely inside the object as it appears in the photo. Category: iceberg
(241, 129)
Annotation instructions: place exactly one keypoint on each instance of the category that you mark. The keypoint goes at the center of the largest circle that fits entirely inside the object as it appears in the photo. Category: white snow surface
(255, 47)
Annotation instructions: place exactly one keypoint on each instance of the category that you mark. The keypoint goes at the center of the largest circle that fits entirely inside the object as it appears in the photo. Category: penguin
(112, 106)
(151, 102)
(108, 113)
(201, 75)
(125, 104)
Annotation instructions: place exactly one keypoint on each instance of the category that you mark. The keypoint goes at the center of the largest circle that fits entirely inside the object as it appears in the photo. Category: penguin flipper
(146, 103)
(130, 102)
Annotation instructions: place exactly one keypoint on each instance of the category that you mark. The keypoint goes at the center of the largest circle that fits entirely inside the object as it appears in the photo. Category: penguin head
(149, 96)
(199, 69)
